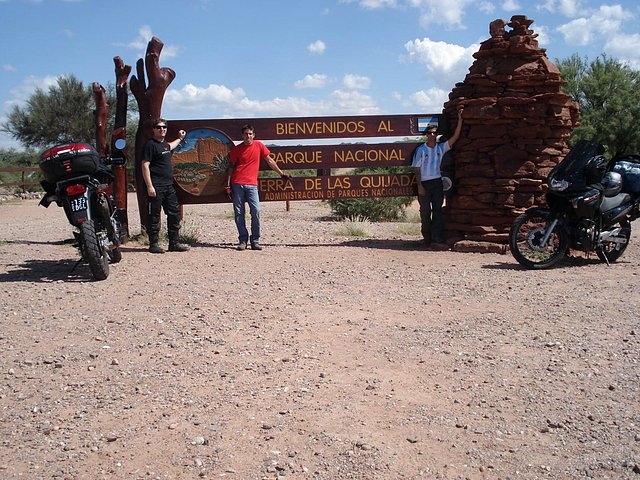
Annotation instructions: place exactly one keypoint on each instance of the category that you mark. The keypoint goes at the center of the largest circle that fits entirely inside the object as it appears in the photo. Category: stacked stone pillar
(516, 125)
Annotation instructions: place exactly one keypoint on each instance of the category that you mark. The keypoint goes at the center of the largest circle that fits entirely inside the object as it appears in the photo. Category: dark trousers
(431, 211)
(166, 199)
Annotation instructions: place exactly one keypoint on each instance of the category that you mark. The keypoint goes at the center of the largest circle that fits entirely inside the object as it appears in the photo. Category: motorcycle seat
(612, 202)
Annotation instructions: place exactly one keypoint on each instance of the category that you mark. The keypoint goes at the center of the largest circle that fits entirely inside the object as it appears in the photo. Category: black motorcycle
(81, 182)
(591, 204)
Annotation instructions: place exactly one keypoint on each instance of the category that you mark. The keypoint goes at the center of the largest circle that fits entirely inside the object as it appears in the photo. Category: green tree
(13, 158)
(62, 114)
(608, 93)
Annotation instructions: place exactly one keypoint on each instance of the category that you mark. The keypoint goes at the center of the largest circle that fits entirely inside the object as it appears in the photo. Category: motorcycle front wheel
(611, 250)
(525, 241)
(93, 252)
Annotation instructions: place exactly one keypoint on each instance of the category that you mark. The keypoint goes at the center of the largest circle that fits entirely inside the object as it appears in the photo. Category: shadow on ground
(48, 271)
(567, 262)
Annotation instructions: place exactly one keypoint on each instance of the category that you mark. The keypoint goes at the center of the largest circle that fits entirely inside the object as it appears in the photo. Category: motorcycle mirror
(120, 143)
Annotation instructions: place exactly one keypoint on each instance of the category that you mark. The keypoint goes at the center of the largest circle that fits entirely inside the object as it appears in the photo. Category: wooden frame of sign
(320, 143)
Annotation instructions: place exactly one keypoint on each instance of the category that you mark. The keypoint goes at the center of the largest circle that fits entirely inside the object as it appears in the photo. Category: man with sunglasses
(427, 160)
(157, 172)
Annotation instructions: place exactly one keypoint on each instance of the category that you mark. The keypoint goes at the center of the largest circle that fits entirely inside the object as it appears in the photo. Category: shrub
(387, 209)
(384, 209)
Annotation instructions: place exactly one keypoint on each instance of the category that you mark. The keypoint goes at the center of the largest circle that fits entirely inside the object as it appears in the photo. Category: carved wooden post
(120, 132)
(149, 100)
(100, 118)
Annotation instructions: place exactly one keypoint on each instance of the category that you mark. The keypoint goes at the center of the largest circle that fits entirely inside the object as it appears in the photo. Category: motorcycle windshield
(576, 160)
(575, 168)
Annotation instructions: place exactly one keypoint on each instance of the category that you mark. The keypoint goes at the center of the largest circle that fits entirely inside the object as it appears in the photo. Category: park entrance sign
(328, 145)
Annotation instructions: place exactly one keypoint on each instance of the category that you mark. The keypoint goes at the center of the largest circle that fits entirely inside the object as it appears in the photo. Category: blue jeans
(248, 194)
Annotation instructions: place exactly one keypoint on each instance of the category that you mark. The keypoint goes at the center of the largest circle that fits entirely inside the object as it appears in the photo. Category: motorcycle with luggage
(77, 179)
(591, 203)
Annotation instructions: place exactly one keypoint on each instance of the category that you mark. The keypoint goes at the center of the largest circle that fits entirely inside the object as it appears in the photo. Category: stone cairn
(516, 124)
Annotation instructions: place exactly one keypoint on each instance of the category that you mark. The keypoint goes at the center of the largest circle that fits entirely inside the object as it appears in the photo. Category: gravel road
(321, 357)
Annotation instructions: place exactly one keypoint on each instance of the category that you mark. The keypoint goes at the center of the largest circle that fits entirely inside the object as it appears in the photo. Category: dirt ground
(321, 357)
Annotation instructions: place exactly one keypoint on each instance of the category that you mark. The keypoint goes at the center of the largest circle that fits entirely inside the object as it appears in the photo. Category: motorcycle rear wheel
(524, 242)
(611, 251)
(93, 252)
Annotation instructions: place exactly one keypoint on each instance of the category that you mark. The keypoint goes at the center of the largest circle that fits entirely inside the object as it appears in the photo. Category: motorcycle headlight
(558, 185)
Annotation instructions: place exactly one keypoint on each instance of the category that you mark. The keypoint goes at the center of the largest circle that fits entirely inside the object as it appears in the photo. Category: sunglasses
(160, 126)
(431, 133)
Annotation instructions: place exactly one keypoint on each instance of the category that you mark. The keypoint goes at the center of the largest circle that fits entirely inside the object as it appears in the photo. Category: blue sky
(271, 58)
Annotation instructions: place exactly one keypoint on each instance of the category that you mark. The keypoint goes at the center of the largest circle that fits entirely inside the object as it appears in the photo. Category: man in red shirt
(243, 181)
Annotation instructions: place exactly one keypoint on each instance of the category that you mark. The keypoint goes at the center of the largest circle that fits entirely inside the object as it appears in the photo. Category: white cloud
(140, 42)
(317, 80)
(486, 7)
(317, 48)
(9, 68)
(609, 18)
(22, 92)
(576, 32)
(445, 63)
(568, 8)
(356, 82)
(219, 101)
(373, 4)
(450, 14)
(543, 35)
(603, 23)
(6, 141)
(169, 51)
(511, 6)
(353, 103)
(19, 96)
(212, 97)
(626, 48)
(430, 101)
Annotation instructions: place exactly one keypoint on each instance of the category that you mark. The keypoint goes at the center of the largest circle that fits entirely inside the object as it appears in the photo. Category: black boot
(175, 245)
(153, 243)
(155, 248)
(178, 247)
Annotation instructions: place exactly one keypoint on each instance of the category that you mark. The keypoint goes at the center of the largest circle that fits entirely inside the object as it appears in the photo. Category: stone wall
(516, 125)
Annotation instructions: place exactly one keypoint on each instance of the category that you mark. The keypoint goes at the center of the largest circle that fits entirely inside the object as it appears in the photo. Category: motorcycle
(81, 182)
(591, 204)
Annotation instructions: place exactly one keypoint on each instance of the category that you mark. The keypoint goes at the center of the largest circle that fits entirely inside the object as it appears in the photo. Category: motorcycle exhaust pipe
(604, 236)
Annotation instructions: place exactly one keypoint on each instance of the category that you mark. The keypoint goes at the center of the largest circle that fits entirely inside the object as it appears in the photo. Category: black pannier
(69, 160)
(629, 168)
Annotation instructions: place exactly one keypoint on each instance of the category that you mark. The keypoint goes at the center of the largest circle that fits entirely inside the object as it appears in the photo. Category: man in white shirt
(427, 160)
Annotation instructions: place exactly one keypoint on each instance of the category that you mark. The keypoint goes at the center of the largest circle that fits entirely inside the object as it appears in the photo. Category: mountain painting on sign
(200, 163)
